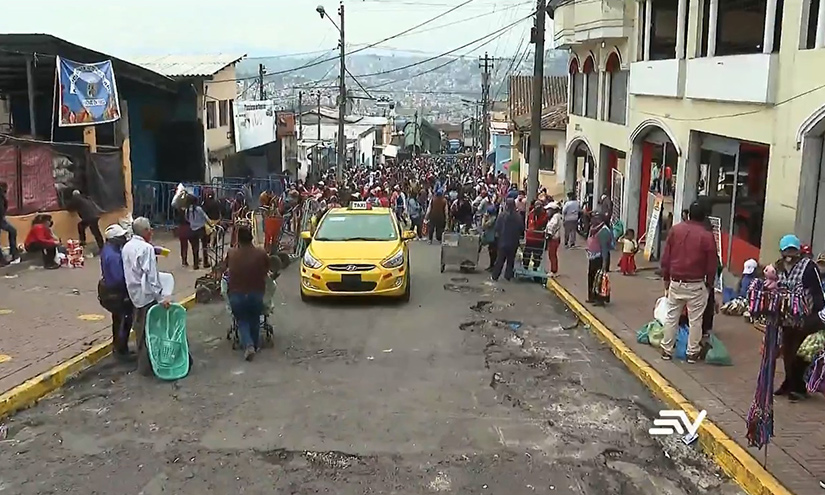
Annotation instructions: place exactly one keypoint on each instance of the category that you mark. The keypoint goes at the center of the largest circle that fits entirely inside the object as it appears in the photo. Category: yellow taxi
(359, 250)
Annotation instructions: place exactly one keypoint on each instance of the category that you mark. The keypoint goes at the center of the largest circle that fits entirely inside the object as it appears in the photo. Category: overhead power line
(452, 60)
(492, 37)
(449, 52)
(371, 45)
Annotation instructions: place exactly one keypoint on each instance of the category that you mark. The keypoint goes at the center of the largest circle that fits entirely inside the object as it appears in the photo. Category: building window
(379, 137)
(616, 85)
(211, 115)
(223, 113)
(591, 88)
(810, 21)
(547, 161)
(740, 28)
(577, 88)
(641, 55)
(664, 17)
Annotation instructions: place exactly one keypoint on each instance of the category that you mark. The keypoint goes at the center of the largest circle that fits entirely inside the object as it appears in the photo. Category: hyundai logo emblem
(351, 268)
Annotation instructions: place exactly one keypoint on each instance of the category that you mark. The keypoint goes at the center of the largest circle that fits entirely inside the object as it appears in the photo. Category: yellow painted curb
(734, 460)
(32, 390)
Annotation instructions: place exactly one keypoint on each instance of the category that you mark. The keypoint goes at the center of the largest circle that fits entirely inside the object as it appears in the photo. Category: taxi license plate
(350, 280)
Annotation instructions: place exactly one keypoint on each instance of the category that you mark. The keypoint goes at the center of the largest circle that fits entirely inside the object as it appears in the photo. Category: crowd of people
(434, 194)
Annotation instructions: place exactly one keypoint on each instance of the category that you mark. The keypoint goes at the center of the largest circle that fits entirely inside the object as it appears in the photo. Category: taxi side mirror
(306, 235)
(408, 235)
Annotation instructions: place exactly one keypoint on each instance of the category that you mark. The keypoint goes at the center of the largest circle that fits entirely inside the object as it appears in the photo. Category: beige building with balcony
(672, 100)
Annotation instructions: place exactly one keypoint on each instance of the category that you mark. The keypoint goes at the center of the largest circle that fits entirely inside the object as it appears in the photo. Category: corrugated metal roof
(187, 65)
(554, 92)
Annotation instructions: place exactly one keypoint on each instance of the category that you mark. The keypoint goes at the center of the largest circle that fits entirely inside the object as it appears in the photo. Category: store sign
(716, 228)
(617, 193)
(651, 237)
(256, 124)
(88, 93)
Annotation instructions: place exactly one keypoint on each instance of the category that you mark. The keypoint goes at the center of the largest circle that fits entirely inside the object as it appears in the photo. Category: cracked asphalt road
(471, 388)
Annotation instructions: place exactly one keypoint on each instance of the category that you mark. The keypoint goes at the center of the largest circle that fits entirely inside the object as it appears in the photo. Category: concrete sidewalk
(50, 316)
(796, 456)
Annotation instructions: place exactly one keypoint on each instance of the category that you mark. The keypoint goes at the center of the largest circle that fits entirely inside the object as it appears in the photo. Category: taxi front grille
(352, 267)
(351, 287)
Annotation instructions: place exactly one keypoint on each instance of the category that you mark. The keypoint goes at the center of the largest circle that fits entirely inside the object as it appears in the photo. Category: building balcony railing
(747, 78)
(580, 22)
(658, 78)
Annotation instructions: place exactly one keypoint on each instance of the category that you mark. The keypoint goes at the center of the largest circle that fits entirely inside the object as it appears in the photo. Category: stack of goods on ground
(74, 253)
(653, 332)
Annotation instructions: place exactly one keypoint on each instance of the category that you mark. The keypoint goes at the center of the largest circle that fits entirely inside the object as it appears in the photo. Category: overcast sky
(267, 27)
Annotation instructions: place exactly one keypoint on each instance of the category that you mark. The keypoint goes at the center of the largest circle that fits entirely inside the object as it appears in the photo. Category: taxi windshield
(346, 227)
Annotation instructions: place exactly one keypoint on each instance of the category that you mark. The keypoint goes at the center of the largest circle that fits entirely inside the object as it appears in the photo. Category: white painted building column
(820, 27)
(648, 27)
(713, 20)
(770, 23)
(681, 25)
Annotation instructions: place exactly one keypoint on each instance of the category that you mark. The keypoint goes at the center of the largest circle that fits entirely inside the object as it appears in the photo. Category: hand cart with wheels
(461, 249)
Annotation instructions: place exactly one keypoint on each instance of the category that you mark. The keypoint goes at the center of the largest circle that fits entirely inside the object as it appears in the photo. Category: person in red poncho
(40, 238)
(534, 236)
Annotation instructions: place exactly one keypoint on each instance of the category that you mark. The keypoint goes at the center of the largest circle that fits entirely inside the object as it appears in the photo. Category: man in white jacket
(570, 214)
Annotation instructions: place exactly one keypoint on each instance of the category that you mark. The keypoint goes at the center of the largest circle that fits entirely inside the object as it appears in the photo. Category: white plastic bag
(180, 194)
(661, 309)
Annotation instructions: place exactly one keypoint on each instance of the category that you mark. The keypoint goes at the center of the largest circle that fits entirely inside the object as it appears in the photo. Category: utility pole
(300, 115)
(261, 72)
(342, 104)
(537, 36)
(415, 134)
(476, 137)
(318, 144)
(486, 65)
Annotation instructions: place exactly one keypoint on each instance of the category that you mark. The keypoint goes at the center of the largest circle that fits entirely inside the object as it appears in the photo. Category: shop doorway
(581, 173)
(611, 178)
(810, 210)
(732, 181)
(655, 162)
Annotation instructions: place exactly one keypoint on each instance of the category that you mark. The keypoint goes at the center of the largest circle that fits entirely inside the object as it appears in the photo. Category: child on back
(627, 265)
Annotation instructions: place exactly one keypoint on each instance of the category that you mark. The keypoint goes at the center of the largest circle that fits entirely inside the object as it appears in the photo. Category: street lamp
(342, 91)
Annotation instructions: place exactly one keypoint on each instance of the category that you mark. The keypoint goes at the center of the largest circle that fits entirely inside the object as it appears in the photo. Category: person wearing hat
(554, 227)
(748, 274)
(798, 272)
(111, 289)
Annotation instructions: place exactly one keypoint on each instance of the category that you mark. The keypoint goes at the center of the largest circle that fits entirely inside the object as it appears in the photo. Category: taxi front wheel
(405, 297)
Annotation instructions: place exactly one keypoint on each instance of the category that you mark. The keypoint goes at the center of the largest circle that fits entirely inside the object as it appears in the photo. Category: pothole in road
(327, 460)
(463, 288)
(301, 355)
(491, 306)
(486, 288)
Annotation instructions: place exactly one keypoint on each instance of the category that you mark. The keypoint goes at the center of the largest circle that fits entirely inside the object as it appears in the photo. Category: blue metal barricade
(153, 199)
(275, 183)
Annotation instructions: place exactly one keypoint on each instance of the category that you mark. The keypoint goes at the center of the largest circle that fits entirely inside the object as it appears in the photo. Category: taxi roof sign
(359, 205)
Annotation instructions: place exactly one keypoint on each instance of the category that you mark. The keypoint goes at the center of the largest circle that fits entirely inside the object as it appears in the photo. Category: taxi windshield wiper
(365, 239)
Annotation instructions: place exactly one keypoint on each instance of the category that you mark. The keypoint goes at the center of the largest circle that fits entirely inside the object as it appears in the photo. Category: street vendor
(798, 272)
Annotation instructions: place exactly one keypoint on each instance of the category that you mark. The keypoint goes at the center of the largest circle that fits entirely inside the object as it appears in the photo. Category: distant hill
(437, 92)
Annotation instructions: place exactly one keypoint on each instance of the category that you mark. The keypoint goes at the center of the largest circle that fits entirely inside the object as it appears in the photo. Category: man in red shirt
(689, 264)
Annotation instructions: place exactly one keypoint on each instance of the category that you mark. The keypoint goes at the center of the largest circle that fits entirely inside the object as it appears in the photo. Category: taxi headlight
(310, 261)
(394, 261)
